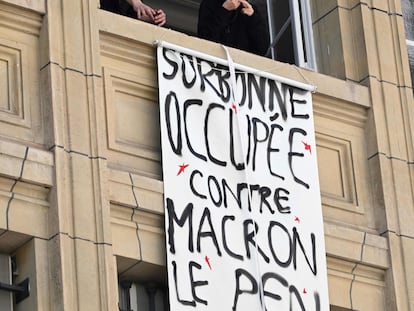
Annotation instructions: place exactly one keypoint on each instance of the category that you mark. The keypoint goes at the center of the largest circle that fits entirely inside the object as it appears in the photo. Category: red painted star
(207, 261)
(234, 107)
(182, 168)
(297, 219)
(307, 147)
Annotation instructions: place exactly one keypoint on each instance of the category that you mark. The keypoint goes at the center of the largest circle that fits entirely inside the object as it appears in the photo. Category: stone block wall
(81, 194)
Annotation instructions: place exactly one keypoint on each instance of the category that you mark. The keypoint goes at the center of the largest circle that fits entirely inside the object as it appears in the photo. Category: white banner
(243, 219)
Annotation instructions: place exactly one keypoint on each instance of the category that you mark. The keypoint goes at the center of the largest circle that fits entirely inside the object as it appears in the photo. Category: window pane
(408, 12)
(282, 31)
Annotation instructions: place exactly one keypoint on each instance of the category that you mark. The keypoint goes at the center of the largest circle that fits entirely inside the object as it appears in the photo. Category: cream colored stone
(77, 112)
(10, 241)
(368, 294)
(121, 189)
(87, 265)
(140, 271)
(4, 200)
(343, 174)
(26, 265)
(353, 44)
(82, 207)
(379, 5)
(21, 117)
(38, 167)
(329, 48)
(339, 285)
(42, 274)
(132, 115)
(133, 57)
(385, 55)
(349, 4)
(375, 251)
(96, 198)
(138, 234)
(396, 130)
(370, 41)
(366, 248)
(153, 243)
(21, 162)
(12, 156)
(149, 193)
(408, 256)
(136, 191)
(127, 233)
(350, 282)
(79, 257)
(399, 278)
(36, 5)
(321, 8)
(24, 21)
(403, 198)
(68, 49)
(131, 99)
(23, 212)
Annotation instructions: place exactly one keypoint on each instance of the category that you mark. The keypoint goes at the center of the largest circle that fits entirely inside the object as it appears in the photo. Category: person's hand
(160, 18)
(231, 5)
(143, 10)
(247, 8)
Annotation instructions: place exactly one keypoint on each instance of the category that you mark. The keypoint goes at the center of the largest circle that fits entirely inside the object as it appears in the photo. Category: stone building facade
(81, 194)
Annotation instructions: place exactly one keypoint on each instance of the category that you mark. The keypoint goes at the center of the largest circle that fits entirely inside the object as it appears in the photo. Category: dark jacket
(110, 5)
(233, 28)
(119, 7)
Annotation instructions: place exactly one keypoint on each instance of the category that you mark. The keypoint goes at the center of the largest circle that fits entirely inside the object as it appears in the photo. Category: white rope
(233, 88)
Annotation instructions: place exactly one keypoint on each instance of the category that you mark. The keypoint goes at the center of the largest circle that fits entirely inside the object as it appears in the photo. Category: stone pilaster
(390, 147)
(80, 251)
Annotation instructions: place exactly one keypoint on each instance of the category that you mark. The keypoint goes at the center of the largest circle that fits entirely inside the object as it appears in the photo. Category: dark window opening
(290, 31)
(282, 42)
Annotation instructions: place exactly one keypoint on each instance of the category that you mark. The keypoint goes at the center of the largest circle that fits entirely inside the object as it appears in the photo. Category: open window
(289, 24)
(290, 29)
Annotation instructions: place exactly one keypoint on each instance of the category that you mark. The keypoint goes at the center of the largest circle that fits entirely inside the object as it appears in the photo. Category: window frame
(302, 32)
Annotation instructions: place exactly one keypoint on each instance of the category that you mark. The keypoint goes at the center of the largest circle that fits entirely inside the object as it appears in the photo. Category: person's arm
(158, 17)
(213, 18)
(142, 9)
